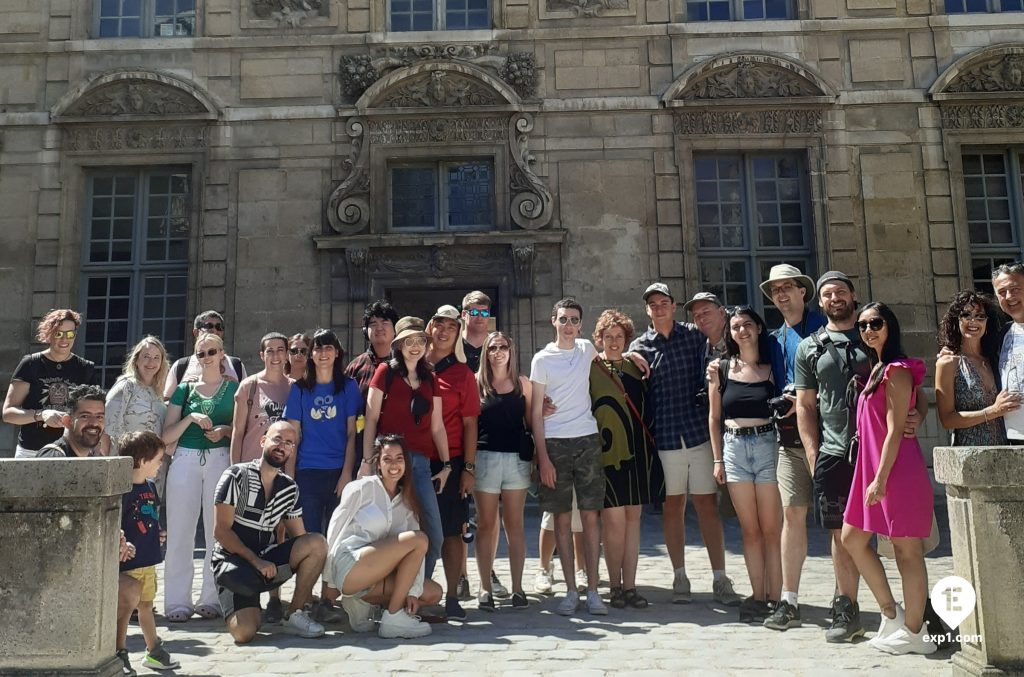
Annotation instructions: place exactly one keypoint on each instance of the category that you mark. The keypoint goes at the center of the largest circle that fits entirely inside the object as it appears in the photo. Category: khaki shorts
(689, 470)
(794, 476)
(146, 576)
(547, 520)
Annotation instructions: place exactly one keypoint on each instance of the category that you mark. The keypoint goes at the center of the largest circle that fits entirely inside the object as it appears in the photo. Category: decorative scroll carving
(440, 88)
(749, 80)
(1000, 73)
(995, 116)
(134, 97)
(531, 199)
(348, 210)
(586, 7)
(289, 12)
(522, 267)
(356, 261)
(437, 130)
(767, 121)
(135, 138)
(357, 72)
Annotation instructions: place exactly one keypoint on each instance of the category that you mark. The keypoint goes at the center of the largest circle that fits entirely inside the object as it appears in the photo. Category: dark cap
(702, 296)
(832, 276)
(658, 288)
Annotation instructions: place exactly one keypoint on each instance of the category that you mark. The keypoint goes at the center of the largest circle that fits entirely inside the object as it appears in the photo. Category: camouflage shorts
(577, 462)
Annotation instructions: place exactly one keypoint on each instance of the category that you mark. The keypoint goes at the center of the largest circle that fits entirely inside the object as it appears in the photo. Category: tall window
(135, 263)
(738, 10)
(993, 195)
(145, 18)
(983, 6)
(752, 213)
(446, 195)
(439, 15)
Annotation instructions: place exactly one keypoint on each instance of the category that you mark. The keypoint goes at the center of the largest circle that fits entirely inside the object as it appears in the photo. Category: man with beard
(831, 368)
(83, 425)
(252, 499)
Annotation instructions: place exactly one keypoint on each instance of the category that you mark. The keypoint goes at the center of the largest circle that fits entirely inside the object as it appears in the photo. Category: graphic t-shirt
(267, 406)
(323, 415)
(565, 375)
(459, 399)
(140, 521)
(48, 386)
(396, 414)
(220, 408)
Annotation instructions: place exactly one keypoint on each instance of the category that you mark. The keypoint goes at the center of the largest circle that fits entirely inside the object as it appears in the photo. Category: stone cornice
(391, 240)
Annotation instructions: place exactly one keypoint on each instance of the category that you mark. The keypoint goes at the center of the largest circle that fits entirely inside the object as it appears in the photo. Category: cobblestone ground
(702, 638)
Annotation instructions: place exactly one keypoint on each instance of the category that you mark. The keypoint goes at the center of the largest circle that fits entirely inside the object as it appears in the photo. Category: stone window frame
(381, 18)
(735, 9)
(147, 18)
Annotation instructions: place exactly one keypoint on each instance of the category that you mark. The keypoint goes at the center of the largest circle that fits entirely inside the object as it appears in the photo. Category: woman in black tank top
(745, 447)
(503, 463)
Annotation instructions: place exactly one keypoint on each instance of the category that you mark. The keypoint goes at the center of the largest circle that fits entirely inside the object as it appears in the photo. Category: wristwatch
(470, 466)
(447, 465)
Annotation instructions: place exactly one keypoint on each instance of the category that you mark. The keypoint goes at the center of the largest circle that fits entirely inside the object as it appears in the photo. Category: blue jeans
(317, 498)
(430, 522)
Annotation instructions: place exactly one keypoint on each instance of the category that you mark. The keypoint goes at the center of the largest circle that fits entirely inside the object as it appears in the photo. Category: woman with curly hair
(967, 393)
(633, 473)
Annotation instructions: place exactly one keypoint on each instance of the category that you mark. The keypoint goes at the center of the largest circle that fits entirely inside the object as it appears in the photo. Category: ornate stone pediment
(996, 72)
(291, 13)
(734, 122)
(135, 137)
(748, 76)
(439, 88)
(587, 8)
(131, 94)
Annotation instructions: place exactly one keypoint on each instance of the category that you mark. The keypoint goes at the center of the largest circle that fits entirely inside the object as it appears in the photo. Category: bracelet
(717, 462)
(367, 461)
(984, 412)
(446, 465)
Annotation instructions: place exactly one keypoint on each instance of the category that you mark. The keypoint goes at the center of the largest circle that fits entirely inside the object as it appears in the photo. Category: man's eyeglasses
(200, 354)
(298, 351)
(874, 324)
(573, 320)
(967, 317)
(212, 326)
(66, 333)
(496, 348)
(476, 312)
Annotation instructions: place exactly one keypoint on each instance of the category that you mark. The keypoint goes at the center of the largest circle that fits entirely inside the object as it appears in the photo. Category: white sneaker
(569, 604)
(888, 626)
(594, 604)
(402, 625)
(299, 623)
(681, 589)
(903, 641)
(581, 580)
(360, 613)
(543, 581)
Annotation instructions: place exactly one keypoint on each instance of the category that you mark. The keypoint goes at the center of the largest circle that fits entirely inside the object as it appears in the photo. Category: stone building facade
(288, 160)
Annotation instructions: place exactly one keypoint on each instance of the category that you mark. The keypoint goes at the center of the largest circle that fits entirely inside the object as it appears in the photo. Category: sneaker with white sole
(543, 582)
(569, 604)
(299, 623)
(157, 658)
(325, 612)
(889, 625)
(401, 625)
(903, 641)
(360, 613)
(497, 589)
(126, 665)
(594, 604)
(724, 593)
(681, 589)
(581, 580)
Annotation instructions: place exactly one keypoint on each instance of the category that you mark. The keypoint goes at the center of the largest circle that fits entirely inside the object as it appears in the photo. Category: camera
(700, 399)
(469, 531)
(780, 406)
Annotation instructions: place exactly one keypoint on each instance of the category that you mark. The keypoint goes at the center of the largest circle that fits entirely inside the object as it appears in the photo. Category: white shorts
(689, 470)
(547, 521)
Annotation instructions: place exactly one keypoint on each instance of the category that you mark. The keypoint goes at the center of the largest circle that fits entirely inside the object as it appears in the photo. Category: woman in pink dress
(891, 493)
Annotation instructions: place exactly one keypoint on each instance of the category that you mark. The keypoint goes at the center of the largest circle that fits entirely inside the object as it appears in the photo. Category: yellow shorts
(146, 576)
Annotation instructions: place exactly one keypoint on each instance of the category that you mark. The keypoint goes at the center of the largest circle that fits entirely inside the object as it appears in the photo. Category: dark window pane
(413, 197)
(130, 28)
(777, 9)
(470, 195)
(719, 11)
(697, 11)
(1011, 5)
(753, 9)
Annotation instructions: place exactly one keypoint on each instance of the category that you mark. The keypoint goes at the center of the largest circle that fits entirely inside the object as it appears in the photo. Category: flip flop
(207, 611)
(178, 615)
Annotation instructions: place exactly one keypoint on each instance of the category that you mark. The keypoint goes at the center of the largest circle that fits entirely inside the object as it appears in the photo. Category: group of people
(360, 476)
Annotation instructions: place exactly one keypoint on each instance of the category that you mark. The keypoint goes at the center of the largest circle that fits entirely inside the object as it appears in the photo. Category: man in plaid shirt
(678, 354)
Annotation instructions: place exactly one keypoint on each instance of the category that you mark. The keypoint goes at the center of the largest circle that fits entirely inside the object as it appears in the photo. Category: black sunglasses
(212, 326)
(298, 351)
(200, 354)
(874, 324)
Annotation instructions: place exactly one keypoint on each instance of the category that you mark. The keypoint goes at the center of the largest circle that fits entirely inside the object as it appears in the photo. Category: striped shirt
(256, 516)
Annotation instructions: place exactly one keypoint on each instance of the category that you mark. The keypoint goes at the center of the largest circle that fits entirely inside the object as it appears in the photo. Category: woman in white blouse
(135, 403)
(376, 550)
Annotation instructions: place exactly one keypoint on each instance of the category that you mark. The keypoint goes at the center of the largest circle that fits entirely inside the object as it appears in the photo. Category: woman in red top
(402, 399)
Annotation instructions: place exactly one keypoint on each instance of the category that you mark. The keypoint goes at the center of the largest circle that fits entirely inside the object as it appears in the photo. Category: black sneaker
(846, 625)
(784, 617)
(274, 613)
(454, 610)
(754, 610)
(485, 602)
(126, 665)
(519, 600)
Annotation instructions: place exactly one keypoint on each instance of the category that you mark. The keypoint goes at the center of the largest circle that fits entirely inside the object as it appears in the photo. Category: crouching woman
(376, 550)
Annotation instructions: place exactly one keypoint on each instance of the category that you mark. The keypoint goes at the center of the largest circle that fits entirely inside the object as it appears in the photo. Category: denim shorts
(750, 458)
(498, 471)
(343, 561)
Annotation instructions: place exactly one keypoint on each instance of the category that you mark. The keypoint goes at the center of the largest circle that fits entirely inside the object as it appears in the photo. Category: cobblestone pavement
(702, 638)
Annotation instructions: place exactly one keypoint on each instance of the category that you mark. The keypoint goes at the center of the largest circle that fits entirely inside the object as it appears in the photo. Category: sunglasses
(415, 342)
(212, 326)
(298, 351)
(874, 324)
(967, 317)
(66, 333)
(573, 320)
(498, 348)
(474, 312)
(200, 354)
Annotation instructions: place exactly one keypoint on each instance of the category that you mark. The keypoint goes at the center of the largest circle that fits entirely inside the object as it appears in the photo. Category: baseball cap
(658, 288)
(832, 276)
(702, 296)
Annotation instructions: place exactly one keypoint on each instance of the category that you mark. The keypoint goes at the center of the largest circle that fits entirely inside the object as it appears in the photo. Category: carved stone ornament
(522, 267)
(289, 12)
(134, 97)
(748, 80)
(437, 262)
(586, 7)
(184, 137)
(357, 72)
(1001, 73)
(440, 88)
(767, 121)
(531, 200)
(356, 261)
(996, 116)
(348, 209)
(400, 131)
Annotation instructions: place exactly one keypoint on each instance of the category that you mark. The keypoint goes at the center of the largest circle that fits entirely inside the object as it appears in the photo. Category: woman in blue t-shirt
(322, 405)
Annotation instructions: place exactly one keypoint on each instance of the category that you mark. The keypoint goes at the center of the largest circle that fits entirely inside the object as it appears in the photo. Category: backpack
(854, 385)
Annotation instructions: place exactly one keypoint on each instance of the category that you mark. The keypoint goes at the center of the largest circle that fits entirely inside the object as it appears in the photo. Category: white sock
(719, 574)
(681, 571)
(790, 598)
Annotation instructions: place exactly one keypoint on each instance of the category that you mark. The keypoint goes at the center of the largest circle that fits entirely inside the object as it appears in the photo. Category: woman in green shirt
(199, 422)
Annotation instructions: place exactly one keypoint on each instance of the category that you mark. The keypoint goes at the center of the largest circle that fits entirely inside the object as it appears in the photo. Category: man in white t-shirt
(1008, 283)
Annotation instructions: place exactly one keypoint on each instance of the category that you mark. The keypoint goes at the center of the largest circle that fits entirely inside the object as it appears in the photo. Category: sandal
(207, 611)
(634, 599)
(618, 600)
(178, 615)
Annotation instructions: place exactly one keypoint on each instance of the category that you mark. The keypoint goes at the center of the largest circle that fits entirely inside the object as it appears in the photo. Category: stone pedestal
(60, 520)
(985, 494)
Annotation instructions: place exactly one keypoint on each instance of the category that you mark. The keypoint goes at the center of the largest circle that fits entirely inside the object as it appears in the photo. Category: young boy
(140, 521)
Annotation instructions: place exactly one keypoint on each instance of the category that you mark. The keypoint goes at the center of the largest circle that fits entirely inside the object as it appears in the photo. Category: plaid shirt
(361, 369)
(677, 373)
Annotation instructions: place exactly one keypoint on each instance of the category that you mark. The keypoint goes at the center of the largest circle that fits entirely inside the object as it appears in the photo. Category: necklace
(614, 366)
(207, 405)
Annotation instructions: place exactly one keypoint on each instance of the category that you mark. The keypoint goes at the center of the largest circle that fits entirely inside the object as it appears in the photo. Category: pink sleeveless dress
(906, 510)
